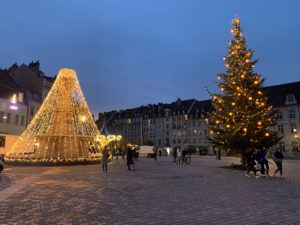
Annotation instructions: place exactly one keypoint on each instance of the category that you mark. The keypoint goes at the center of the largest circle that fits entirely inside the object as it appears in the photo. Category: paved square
(158, 192)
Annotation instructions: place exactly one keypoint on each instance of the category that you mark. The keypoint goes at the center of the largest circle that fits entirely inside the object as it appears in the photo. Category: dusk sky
(129, 53)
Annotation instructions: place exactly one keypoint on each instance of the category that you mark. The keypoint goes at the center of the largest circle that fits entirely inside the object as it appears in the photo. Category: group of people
(258, 161)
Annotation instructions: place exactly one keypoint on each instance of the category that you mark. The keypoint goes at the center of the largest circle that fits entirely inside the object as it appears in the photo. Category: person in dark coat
(174, 154)
(250, 159)
(104, 160)
(130, 156)
(278, 157)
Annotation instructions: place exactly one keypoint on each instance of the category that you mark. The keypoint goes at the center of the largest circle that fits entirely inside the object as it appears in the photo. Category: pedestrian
(250, 160)
(104, 160)
(154, 152)
(123, 152)
(179, 157)
(137, 153)
(263, 161)
(174, 154)
(278, 157)
(130, 156)
(1, 163)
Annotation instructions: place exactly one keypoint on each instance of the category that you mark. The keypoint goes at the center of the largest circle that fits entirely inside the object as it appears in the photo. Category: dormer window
(290, 99)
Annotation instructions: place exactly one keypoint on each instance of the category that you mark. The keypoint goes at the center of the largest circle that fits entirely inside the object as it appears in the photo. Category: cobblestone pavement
(158, 192)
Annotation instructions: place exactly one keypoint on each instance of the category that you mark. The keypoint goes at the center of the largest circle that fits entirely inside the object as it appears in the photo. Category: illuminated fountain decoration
(105, 137)
(63, 130)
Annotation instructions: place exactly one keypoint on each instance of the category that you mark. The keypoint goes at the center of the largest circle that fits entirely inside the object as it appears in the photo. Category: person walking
(278, 158)
(130, 156)
(250, 159)
(104, 160)
(154, 152)
(174, 154)
(179, 157)
(263, 161)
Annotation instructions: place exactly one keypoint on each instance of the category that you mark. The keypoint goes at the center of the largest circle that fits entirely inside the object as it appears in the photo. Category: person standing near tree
(250, 158)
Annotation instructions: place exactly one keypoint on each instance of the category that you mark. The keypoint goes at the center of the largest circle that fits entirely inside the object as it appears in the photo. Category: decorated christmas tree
(242, 118)
(63, 130)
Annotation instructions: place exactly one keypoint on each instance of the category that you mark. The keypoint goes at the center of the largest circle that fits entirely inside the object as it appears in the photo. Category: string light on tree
(245, 117)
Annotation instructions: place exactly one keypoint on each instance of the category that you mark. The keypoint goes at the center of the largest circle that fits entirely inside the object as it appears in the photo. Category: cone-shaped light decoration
(63, 130)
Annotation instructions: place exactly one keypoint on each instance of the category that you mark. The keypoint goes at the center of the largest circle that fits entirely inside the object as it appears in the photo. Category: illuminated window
(20, 97)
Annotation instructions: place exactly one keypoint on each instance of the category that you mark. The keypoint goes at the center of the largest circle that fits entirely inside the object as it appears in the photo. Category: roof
(7, 85)
(277, 93)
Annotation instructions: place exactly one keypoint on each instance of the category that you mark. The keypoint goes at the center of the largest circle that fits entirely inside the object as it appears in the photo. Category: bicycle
(187, 159)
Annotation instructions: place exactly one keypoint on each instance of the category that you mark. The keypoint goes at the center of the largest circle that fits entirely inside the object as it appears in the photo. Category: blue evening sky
(129, 53)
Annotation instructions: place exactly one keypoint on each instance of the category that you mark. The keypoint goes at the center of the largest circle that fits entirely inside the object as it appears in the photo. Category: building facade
(185, 123)
(22, 91)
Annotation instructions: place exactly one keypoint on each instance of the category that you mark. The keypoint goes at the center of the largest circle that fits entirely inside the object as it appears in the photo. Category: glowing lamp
(13, 107)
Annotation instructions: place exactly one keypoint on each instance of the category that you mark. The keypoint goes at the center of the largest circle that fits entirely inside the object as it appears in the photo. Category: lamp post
(297, 138)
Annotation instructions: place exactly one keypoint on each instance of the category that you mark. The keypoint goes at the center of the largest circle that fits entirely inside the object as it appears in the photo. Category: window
(20, 97)
(293, 128)
(280, 128)
(8, 118)
(290, 98)
(16, 119)
(32, 110)
(199, 124)
(1, 117)
(292, 114)
(281, 146)
(279, 115)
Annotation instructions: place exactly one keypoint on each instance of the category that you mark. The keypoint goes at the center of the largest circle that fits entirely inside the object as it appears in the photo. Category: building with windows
(285, 99)
(184, 123)
(22, 91)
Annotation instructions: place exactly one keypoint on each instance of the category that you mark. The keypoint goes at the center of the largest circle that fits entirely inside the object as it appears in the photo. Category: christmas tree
(242, 118)
(63, 130)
